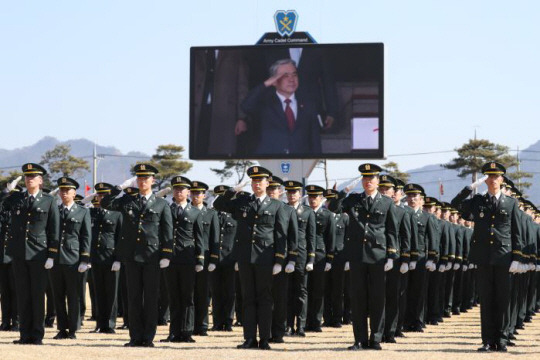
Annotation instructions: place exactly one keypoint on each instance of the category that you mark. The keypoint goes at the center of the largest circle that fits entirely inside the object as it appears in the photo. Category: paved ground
(456, 338)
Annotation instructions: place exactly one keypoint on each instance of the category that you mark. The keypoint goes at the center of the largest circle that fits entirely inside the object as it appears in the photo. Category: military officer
(371, 255)
(145, 247)
(496, 249)
(222, 277)
(210, 232)
(307, 229)
(106, 233)
(187, 258)
(280, 285)
(325, 243)
(73, 259)
(33, 248)
(262, 241)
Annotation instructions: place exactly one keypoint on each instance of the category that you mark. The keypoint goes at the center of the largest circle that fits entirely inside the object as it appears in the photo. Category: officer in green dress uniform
(145, 247)
(262, 242)
(496, 249)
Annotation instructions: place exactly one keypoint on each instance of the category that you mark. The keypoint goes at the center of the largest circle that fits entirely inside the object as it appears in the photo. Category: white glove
(430, 265)
(49, 263)
(456, 266)
(129, 182)
(290, 267)
(537, 267)
(115, 266)
(352, 184)
(88, 198)
(89, 265)
(442, 268)
(347, 266)
(448, 267)
(479, 182)
(82, 267)
(532, 267)
(211, 267)
(12, 185)
(235, 266)
(412, 265)
(514, 267)
(163, 263)
(309, 267)
(54, 192)
(389, 265)
(240, 186)
(404, 268)
(163, 192)
(327, 267)
(465, 268)
(276, 269)
(199, 268)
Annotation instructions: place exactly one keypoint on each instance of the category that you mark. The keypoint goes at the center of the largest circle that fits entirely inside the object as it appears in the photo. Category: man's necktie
(31, 200)
(143, 202)
(258, 204)
(369, 202)
(289, 115)
(179, 211)
(494, 203)
(65, 212)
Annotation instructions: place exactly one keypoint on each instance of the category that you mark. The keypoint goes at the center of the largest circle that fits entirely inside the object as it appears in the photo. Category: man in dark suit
(73, 259)
(372, 248)
(145, 247)
(187, 258)
(325, 244)
(287, 123)
(106, 233)
(262, 241)
(221, 267)
(33, 248)
(307, 231)
(497, 250)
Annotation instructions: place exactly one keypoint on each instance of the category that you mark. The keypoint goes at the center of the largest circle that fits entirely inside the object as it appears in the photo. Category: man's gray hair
(277, 64)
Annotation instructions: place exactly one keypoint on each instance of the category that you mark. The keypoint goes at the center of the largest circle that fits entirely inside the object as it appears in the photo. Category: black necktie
(31, 200)
(65, 212)
(179, 211)
(369, 202)
(143, 202)
(258, 204)
(494, 202)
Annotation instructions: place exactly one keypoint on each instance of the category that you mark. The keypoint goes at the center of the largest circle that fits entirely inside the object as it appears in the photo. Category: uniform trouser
(458, 290)
(83, 279)
(238, 303)
(8, 295)
(522, 297)
(122, 285)
(368, 287)
(222, 281)
(143, 286)
(513, 306)
(256, 284)
(91, 289)
(494, 290)
(163, 301)
(279, 312)
(66, 284)
(106, 291)
(403, 286)
(434, 303)
(416, 295)
(347, 297)
(181, 286)
(537, 306)
(315, 295)
(30, 285)
(201, 299)
(531, 296)
(51, 311)
(449, 289)
(333, 299)
(297, 298)
(392, 301)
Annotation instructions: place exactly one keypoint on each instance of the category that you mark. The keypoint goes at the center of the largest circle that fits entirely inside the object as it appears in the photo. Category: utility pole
(518, 169)
(94, 175)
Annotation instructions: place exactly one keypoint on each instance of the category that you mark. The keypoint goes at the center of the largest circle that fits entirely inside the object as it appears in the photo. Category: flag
(86, 188)
(335, 185)
(441, 189)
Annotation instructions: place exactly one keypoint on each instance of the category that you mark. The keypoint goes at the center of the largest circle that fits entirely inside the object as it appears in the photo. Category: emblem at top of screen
(285, 22)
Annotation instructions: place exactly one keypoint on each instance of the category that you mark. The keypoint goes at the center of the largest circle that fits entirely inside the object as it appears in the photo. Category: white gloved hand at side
(236, 266)
(347, 266)
(514, 267)
(404, 268)
(412, 265)
(82, 267)
(327, 267)
(430, 265)
(309, 267)
(389, 265)
(276, 269)
(49, 263)
(442, 268)
(115, 266)
(456, 266)
(211, 267)
(465, 268)
(199, 268)
(289, 268)
(448, 266)
(164, 263)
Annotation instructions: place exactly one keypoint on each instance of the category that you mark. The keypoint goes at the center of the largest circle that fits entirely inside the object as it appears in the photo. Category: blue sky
(69, 68)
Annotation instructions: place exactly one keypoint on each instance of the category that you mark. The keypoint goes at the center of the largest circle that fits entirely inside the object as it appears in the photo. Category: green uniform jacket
(307, 229)
(223, 251)
(497, 232)
(210, 229)
(262, 232)
(75, 236)
(373, 232)
(292, 233)
(34, 230)
(106, 234)
(188, 236)
(325, 238)
(146, 233)
(428, 237)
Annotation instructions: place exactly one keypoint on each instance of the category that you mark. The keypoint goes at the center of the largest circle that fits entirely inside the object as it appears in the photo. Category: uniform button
(100, 226)
(222, 228)
(28, 222)
(221, 248)
(221, 235)
(365, 240)
(491, 242)
(141, 216)
(138, 239)
(29, 214)
(367, 216)
(98, 245)
(493, 217)
(255, 225)
(139, 230)
(256, 216)
(491, 233)
(253, 241)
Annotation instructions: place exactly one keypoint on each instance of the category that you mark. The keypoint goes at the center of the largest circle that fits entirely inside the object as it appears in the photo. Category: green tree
(517, 177)
(475, 153)
(169, 161)
(392, 169)
(59, 162)
(233, 167)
